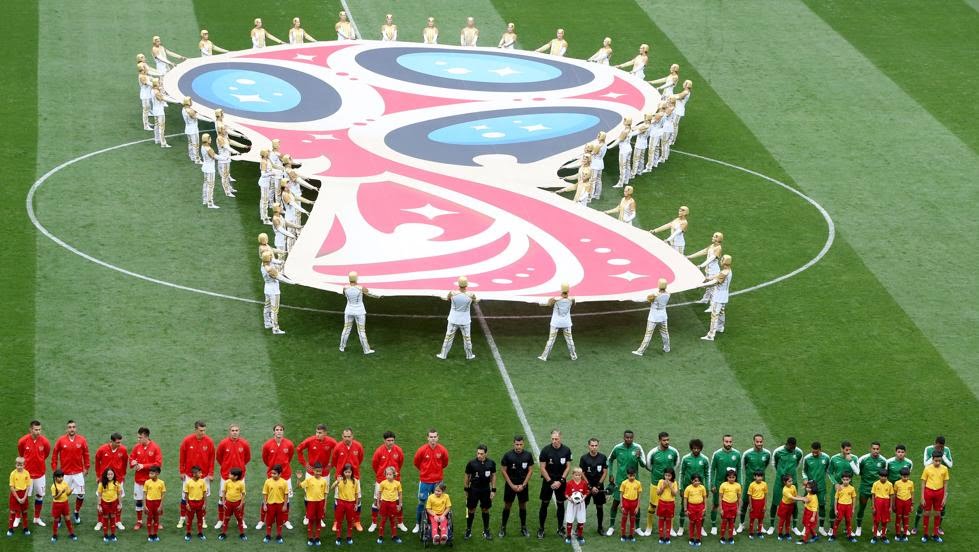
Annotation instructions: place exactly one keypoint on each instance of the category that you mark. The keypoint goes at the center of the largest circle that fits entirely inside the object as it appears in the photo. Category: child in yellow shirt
(438, 506)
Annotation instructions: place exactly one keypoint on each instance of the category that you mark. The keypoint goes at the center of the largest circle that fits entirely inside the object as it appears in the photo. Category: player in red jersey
(145, 455)
(197, 449)
(35, 448)
(348, 451)
(317, 448)
(112, 455)
(70, 453)
(232, 452)
(278, 451)
(388, 454)
(430, 460)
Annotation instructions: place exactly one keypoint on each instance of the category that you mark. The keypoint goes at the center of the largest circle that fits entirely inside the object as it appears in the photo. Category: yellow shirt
(788, 492)
(154, 489)
(390, 490)
(347, 489)
(438, 504)
(758, 490)
(904, 489)
(846, 495)
(234, 491)
(315, 488)
(110, 492)
(882, 490)
(694, 495)
(275, 490)
(195, 489)
(730, 492)
(630, 489)
(20, 480)
(669, 490)
(60, 491)
(935, 478)
(812, 502)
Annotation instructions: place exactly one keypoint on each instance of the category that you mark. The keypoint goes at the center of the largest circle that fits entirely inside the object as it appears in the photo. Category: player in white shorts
(718, 302)
(459, 319)
(677, 228)
(355, 312)
(560, 321)
(657, 317)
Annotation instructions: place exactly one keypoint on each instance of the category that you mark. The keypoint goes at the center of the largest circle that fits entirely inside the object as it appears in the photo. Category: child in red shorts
(667, 490)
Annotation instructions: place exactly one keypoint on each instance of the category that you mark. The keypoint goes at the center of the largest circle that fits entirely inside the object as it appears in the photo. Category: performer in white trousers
(560, 321)
(626, 209)
(227, 132)
(291, 211)
(459, 320)
(263, 246)
(207, 47)
(265, 171)
(624, 141)
(389, 31)
(677, 228)
(508, 41)
(298, 35)
(599, 149)
(681, 107)
(604, 54)
(583, 183)
(259, 35)
(469, 35)
(657, 317)
(271, 277)
(191, 130)
(668, 127)
(286, 232)
(655, 135)
(557, 46)
(355, 312)
(430, 34)
(638, 63)
(159, 111)
(207, 167)
(145, 93)
(711, 265)
(345, 29)
(642, 144)
(224, 160)
(665, 85)
(162, 56)
(718, 302)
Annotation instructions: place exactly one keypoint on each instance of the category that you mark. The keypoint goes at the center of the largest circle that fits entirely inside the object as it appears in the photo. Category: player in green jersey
(725, 458)
(840, 463)
(869, 466)
(624, 456)
(659, 458)
(755, 459)
(898, 462)
(814, 468)
(947, 460)
(786, 459)
(690, 464)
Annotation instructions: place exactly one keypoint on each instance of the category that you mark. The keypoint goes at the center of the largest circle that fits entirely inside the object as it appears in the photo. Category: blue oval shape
(246, 90)
(478, 67)
(524, 128)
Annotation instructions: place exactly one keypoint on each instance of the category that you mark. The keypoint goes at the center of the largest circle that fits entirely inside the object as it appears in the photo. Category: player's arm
(947, 457)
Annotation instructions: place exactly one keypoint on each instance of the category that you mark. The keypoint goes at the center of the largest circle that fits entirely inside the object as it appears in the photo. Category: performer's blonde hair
(352, 276)
(662, 284)
(463, 282)
(726, 260)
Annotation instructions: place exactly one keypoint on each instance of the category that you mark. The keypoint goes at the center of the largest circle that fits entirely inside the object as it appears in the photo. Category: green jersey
(659, 459)
(838, 465)
(786, 462)
(720, 461)
(754, 460)
(946, 456)
(870, 467)
(894, 467)
(690, 465)
(625, 457)
(814, 469)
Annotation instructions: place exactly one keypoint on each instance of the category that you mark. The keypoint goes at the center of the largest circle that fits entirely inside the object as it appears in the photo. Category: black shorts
(546, 491)
(599, 499)
(509, 494)
(480, 497)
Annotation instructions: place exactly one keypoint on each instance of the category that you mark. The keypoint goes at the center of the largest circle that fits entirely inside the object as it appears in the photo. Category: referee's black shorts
(509, 494)
(479, 497)
(546, 491)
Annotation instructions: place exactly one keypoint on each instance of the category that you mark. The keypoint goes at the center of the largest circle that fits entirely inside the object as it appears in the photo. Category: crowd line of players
(736, 483)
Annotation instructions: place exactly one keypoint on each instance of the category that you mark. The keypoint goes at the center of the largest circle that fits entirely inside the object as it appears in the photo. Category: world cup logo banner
(434, 163)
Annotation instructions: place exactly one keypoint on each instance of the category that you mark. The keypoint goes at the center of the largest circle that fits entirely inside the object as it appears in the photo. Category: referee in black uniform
(517, 466)
(480, 486)
(555, 463)
(595, 466)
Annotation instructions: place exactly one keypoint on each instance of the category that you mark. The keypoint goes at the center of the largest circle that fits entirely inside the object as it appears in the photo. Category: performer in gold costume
(626, 209)
(557, 46)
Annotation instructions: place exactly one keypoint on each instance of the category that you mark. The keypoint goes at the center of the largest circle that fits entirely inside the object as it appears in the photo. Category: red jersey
(353, 455)
(71, 453)
(148, 455)
(117, 459)
(197, 452)
(579, 486)
(431, 461)
(233, 453)
(313, 450)
(384, 458)
(278, 453)
(35, 453)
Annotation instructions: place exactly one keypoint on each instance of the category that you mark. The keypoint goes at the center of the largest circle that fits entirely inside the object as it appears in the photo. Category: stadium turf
(870, 343)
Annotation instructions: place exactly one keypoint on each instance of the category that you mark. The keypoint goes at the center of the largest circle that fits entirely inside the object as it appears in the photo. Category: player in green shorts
(947, 460)
(753, 460)
(624, 456)
(659, 458)
(869, 467)
(840, 463)
(786, 460)
(690, 464)
(725, 458)
(814, 468)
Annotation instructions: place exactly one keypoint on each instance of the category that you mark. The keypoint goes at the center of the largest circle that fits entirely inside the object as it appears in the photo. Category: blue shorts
(425, 489)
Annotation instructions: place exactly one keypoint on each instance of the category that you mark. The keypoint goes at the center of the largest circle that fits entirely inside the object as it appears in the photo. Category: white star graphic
(612, 95)
(250, 98)
(305, 57)
(629, 276)
(481, 127)
(324, 136)
(505, 72)
(429, 211)
(458, 71)
(534, 128)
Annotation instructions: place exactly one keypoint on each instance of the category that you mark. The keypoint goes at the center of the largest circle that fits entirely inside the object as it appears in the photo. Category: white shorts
(38, 487)
(76, 482)
(574, 512)
(138, 491)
